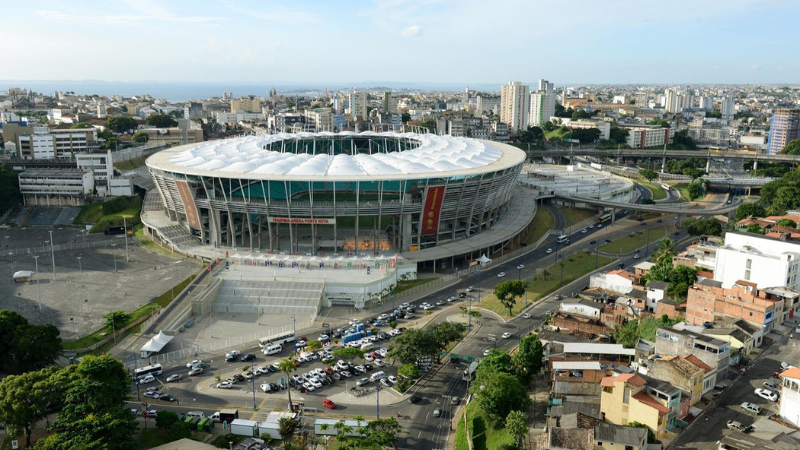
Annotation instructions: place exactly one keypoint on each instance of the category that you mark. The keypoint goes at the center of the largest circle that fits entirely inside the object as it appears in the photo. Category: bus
(283, 338)
(666, 187)
(563, 239)
(604, 218)
(154, 370)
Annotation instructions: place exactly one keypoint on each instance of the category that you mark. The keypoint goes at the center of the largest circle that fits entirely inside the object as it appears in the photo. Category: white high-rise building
(727, 107)
(543, 107)
(671, 101)
(514, 105)
(763, 260)
(545, 86)
(706, 103)
(358, 105)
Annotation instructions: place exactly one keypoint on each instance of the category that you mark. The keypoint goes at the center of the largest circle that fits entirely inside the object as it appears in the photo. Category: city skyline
(406, 41)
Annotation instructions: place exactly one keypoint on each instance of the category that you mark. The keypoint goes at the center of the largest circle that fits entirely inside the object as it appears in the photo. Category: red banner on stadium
(188, 204)
(432, 209)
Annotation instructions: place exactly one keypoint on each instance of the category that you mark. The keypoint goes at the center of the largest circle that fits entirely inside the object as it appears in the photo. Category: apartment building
(246, 104)
(784, 127)
(193, 110)
(625, 398)
(321, 119)
(646, 137)
(790, 396)
(542, 104)
(102, 167)
(487, 103)
(713, 352)
(708, 302)
(680, 372)
(515, 106)
(766, 260)
(42, 187)
(358, 105)
(389, 103)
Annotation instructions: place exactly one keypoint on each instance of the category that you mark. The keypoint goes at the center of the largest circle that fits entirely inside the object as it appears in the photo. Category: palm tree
(359, 418)
(287, 367)
(665, 250)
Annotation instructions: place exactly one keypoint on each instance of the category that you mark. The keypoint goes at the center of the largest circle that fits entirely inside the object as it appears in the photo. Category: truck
(225, 415)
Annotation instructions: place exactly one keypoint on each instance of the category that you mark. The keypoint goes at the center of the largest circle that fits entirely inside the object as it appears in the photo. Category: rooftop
(793, 372)
(697, 362)
(621, 435)
(605, 349)
(646, 399)
(628, 378)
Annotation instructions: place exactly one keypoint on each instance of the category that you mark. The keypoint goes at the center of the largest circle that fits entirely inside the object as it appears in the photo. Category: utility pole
(53, 255)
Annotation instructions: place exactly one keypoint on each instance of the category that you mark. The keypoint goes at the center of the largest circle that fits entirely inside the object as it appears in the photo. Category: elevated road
(653, 153)
(680, 208)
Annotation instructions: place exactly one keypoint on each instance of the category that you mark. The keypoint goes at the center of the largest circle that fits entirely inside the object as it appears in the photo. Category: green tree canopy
(618, 135)
(165, 419)
(531, 135)
(117, 319)
(586, 135)
(444, 333)
(25, 347)
(121, 124)
(661, 122)
(81, 125)
(498, 360)
(498, 394)
(705, 227)
(287, 427)
(140, 137)
(693, 173)
(382, 432)
(413, 344)
(749, 210)
(23, 401)
(648, 174)
(348, 353)
(696, 190)
(161, 121)
(508, 291)
(664, 250)
(409, 370)
(755, 229)
(788, 223)
(792, 147)
(529, 358)
(286, 367)
(517, 425)
(682, 141)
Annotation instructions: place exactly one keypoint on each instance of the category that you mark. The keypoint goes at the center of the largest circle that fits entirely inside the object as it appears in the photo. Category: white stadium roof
(435, 156)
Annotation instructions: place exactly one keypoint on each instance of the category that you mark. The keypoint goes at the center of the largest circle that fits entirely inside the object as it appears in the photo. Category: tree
(663, 123)
(382, 432)
(165, 420)
(693, 173)
(664, 250)
(444, 333)
(696, 190)
(749, 210)
(413, 344)
(787, 198)
(651, 436)
(81, 125)
(586, 135)
(405, 117)
(531, 135)
(648, 174)
(393, 324)
(755, 229)
(348, 353)
(140, 137)
(313, 345)
(530, 355)
(22, 402)
(25, 347)
(409, 371)
(286, 367)
(287, 427)
(498, 394)
(618, 135)
(498, 360)
(792, 147)
(162, 121)
(121, 124)
(508, 291)
(788, 223)
(115, 320)
(179, 430)
(627, 334)
(682, 141)
(705, 227)
(517, 425)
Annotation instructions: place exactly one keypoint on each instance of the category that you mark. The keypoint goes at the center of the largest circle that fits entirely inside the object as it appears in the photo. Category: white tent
(155, 344)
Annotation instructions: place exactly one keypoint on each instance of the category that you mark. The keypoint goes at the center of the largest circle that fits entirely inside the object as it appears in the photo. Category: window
(626, 396)
(628, 447)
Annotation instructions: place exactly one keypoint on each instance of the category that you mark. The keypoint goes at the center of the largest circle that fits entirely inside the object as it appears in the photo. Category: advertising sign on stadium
(432, 209)
(302, 221)
(188, 204)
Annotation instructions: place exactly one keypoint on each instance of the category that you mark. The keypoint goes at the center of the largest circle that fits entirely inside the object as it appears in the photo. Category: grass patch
(576, 215)
(682, 187)
(658, 192)
(403, 285)
(110, 213)
(152, 246)
(483, 436)
(685, 223)
(130, 164)
(542, 222)
(633, 241)
(153, 437)
(161, 301)
(576, 265)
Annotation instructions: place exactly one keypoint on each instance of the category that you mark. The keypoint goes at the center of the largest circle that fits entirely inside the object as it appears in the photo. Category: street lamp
(135, 366)
(72, 319)
(53, 255)
(294, 331)
(562, 270)
(647, 247)
(80, 268)
(38, 293)
(115, 256)
(125, 225)
(11, 261)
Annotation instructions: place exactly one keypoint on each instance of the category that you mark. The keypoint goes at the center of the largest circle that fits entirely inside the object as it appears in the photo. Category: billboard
(433, 207)
(188, 204)
(301, 220)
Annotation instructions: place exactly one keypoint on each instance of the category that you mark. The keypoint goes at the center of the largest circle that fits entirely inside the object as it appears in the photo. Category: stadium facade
(311, 193)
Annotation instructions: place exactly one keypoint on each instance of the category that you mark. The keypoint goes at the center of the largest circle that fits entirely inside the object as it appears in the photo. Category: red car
(328, 370)
(328, 403)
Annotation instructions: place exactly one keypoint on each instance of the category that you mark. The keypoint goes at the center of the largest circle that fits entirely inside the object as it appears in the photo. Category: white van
(563, 239)
(199, 414)
(273, 349)
(377, 376)
(366, 347)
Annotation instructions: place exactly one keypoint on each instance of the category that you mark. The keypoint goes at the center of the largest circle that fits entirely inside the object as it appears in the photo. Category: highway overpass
(680, 209)
(653, 153)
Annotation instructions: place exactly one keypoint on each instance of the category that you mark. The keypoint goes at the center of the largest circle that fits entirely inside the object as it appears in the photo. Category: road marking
(419, 435)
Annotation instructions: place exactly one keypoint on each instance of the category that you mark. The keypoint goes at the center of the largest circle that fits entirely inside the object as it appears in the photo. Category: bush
(403, 385)
(223, 440)
(119, 204)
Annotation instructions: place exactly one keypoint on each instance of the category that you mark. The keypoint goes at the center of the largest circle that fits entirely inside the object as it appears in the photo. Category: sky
(414, 41)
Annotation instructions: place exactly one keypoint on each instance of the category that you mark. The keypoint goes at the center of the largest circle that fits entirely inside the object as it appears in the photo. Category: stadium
(348, 193)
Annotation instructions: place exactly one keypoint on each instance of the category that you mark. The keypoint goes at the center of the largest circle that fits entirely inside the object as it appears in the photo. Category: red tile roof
(647, 400)
(629, 378)
(696, 361)
(794, 372)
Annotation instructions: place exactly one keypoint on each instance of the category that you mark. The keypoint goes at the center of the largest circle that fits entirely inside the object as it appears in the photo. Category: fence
(108, 338)
(192, 351)
(73, 246)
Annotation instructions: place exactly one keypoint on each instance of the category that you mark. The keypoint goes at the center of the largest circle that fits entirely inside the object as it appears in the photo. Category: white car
(526, 316)
(549, 250)
(378, 363)
(501, 275)
(362, 382)
(383, 317)
(636, 256)
(309, 386)
(265, 387)
(369, 358)
(591, 226)
(427, 307)
(152, 413)
(174, 377)
(392, 379)
(521, 266)
(506, 335)
(486, 352)
(470, 289)
(224, 385)
(196, 362)
(767, 394)
(583, 230)
(147, 379)
(315, 382)
(323, 337)
(405, 305)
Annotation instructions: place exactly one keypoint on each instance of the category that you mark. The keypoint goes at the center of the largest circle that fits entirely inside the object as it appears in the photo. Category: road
(422, 430)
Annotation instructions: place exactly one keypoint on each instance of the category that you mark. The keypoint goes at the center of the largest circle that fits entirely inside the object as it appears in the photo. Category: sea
(185, 91)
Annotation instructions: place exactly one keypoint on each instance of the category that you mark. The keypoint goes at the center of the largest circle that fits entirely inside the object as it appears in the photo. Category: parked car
(549, 250)
(146, 379)
(771, 385)
(767, 394)
(486, 352)
(362, 382)
(751, 407)
(526, 316)
(168, 398)
(225, 385)
(414, 399)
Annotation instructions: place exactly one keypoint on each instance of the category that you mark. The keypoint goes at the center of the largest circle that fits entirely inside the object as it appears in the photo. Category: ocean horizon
(182, 92)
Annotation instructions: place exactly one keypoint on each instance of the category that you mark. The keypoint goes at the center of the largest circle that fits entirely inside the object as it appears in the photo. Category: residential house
(656, 291)
(790, 396)
(679, 371)
(741, 334)
(618, 281)
(624, 400)
(713, 352)
(616, 437)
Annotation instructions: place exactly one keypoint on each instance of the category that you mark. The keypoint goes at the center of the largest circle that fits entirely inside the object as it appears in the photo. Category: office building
(514, 106)
(42, 187)
(671, 101)
(101, 165)
(727, 107)
(784, 127)
(319, 119)
(645, 137)
(358, 105)
(543, 105)
(389, 103)
(246, 104)
(489, 104)
(640, 99)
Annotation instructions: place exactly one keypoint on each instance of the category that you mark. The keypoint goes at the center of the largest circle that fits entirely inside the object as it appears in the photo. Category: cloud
(412, 31)
(121, 19)
(276, 14)
(755, 67)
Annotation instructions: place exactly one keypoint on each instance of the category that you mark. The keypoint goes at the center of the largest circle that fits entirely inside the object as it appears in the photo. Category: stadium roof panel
(434, 156)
